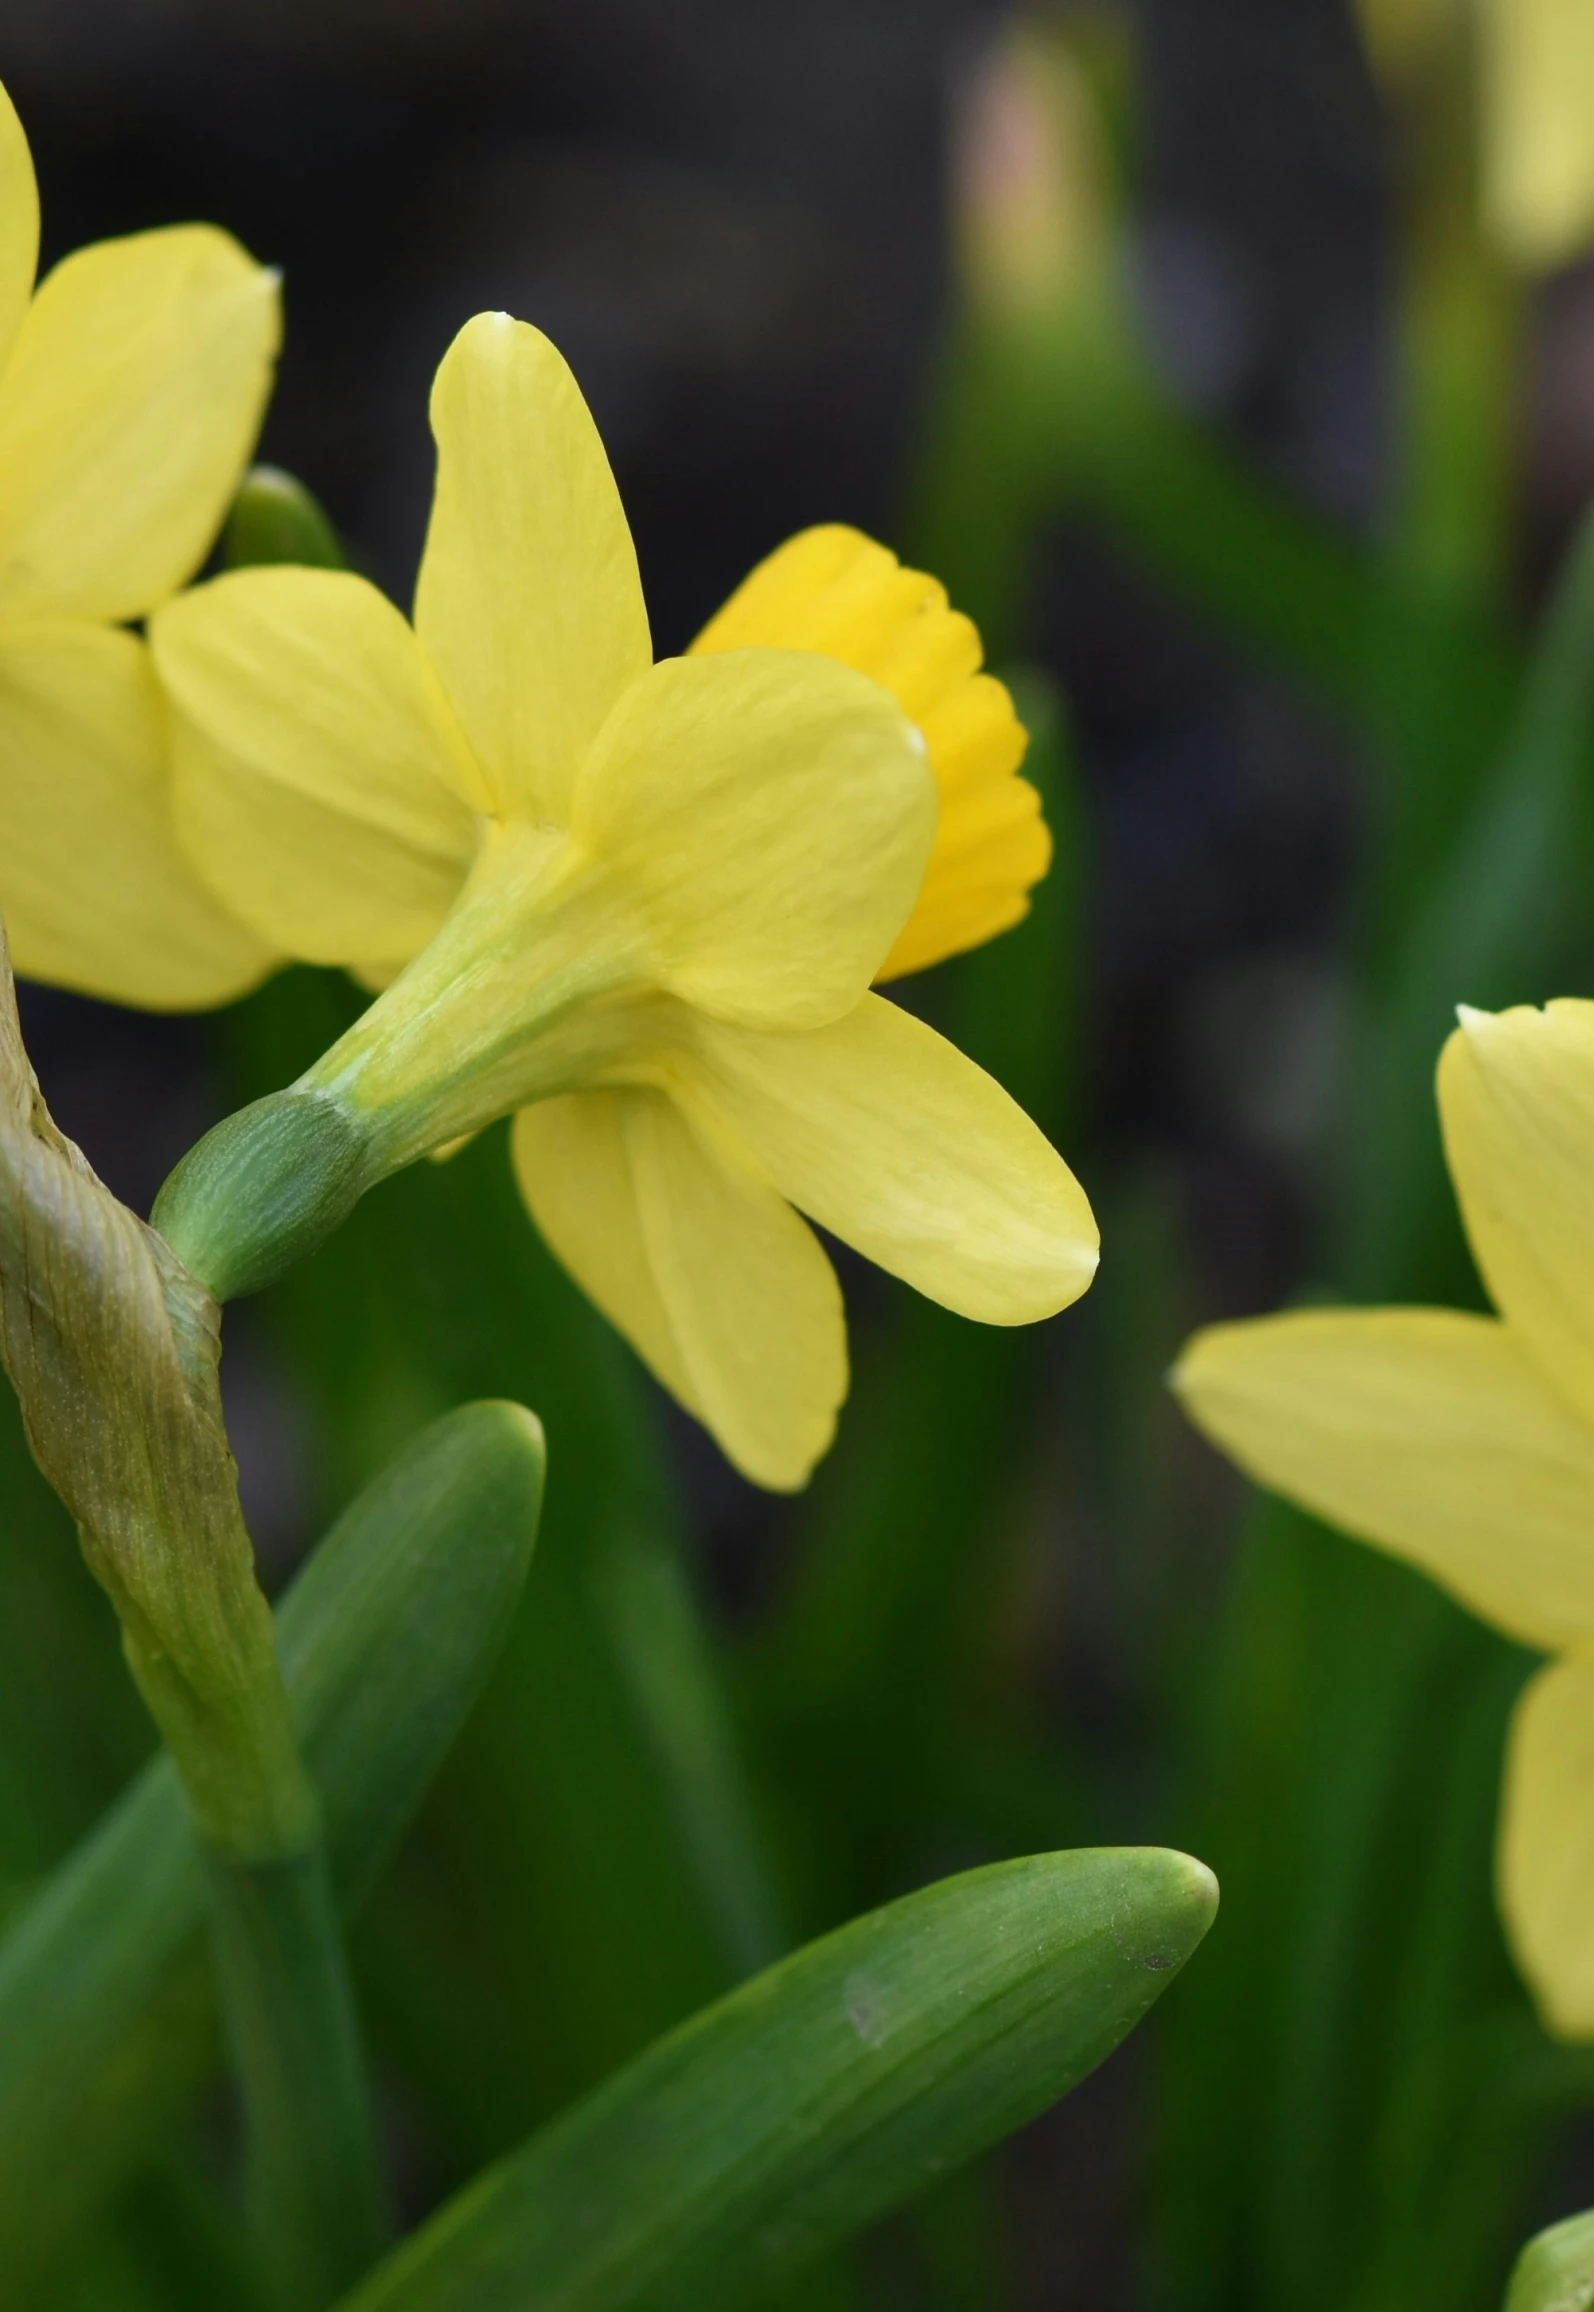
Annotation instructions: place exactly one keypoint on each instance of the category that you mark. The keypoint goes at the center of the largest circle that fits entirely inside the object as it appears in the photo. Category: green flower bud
(264, 1189)
(275, 519)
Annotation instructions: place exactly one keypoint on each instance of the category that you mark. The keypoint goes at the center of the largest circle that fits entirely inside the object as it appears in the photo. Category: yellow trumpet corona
(1465, 1444)
(639, 906)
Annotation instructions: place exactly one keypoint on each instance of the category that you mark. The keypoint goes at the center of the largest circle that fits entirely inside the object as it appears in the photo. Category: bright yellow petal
(127, 412)
(769, 813)
(1516, 1098)
(529, 600)
(1537, 78)
(1547, 1844)
(711, 1276)
(886, 1135)
(19, 224)
(1423, 1430)
(96, 893)
(835, 591)
(321, 782)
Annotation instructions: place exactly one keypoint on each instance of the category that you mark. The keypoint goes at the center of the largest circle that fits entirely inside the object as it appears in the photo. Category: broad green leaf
(818, 2097)
(1555, 2272)
(386, 1638)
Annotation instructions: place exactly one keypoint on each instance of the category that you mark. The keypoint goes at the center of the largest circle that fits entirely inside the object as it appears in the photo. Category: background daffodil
(644, 902)
(1535, 78)
(132, 383)
(1466, 1443)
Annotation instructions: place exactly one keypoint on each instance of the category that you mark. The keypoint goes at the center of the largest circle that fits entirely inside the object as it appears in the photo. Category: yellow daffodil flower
(638, 905)
(1465, 1444)
(1535, 69)
(132, 383)
(834, 591)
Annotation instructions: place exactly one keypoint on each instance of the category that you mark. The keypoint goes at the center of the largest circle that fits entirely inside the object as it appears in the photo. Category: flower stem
(313, 2182)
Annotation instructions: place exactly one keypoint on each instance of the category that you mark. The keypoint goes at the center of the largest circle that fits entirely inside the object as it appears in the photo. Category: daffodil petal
(1426, 1431)
(95, 891)
(769, 814)
(19, 224)
(711, 1276)
(1516, 1098)
(322, 785)
(127, 411)
(529, 599)
(992, 847)
(1537, 79)
(885, 1134)
(835, 591)
(1547, 1844)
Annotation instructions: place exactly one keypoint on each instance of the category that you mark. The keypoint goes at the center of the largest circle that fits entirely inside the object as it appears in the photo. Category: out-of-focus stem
(313, 2177)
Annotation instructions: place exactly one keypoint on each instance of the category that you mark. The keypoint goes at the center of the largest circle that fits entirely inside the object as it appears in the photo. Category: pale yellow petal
(529, 599)
(1426, 1431)
(19, 224)
(835, 591)
(96, 894)
(1516, 1099)
(769, 813)
(711, 1276)
(322, 785)
(882, 1132)
(1547, 1844)
(1537, 77)
(128, 411)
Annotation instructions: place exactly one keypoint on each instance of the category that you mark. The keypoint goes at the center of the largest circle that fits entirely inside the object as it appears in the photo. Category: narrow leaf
(816, 2098)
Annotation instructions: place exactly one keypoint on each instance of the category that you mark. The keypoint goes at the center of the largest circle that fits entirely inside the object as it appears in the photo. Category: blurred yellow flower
(131, 387)
(1535, 73)
(1032, 193)
(1466, 1443)
(638, 905)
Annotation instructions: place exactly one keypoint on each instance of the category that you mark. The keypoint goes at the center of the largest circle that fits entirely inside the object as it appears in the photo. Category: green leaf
(816, 2098)
(275, 519)
(1555, 2272)
(106, 2010)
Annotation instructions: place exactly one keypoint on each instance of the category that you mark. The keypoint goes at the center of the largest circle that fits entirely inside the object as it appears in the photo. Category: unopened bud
(1031, 184)
(275, 519)
(263, 1190)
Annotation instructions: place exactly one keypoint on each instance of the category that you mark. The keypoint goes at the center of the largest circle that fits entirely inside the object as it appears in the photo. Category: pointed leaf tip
(821, 2095)
(1555, 2271)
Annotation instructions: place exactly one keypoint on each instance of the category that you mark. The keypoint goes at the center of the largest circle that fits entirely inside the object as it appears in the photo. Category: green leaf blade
(818, 2097)
(107, 2016)
(1555, 2271)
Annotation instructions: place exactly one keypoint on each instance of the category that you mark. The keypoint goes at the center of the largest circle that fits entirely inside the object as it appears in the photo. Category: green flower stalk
(113, 1349)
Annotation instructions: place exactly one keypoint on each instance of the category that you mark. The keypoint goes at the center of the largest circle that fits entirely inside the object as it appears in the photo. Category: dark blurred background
(735, 220)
